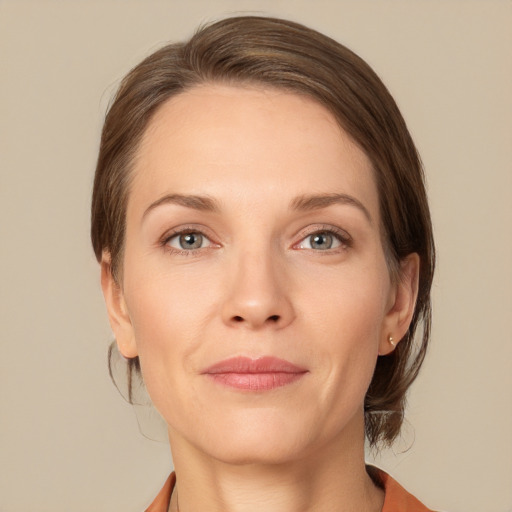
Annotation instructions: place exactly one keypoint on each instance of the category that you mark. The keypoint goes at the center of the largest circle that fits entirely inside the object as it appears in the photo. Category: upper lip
(266, 364)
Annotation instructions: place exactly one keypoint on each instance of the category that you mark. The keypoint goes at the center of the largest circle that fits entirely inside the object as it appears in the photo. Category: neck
(330, 478)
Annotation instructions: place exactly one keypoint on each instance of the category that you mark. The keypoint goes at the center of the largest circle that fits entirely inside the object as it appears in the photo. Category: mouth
(262, 374)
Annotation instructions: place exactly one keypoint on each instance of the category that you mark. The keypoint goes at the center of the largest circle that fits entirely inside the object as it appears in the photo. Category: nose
(258, 295)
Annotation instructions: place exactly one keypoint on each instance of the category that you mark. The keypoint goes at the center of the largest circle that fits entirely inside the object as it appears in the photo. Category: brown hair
(287, 55)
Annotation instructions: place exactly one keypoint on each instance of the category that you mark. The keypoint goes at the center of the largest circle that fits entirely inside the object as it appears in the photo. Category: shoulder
(397, 499)
(161, 502)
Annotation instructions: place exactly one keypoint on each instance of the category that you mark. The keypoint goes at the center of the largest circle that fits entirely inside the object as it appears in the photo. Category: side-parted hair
(285, 55)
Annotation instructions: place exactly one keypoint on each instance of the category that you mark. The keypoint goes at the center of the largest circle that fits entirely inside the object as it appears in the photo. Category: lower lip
(256, 381)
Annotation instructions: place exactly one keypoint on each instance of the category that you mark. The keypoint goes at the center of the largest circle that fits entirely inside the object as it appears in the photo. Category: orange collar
(397, 499)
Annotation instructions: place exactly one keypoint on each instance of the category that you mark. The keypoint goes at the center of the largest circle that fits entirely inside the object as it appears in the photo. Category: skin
(257, 285)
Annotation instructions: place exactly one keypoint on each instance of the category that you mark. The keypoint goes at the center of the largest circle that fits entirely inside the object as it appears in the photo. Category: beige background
(68, 441)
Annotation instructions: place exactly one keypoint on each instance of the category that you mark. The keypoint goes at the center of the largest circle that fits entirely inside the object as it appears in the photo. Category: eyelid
(183, 230)
(343, 236)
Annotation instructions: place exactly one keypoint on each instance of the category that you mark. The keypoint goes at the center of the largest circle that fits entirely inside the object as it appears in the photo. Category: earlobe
(118, 315)
(399, 316)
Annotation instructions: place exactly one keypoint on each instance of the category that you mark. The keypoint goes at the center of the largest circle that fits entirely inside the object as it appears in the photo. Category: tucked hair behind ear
(282, 54)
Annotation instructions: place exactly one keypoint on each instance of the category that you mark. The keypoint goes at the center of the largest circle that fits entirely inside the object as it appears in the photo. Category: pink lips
(261, 374)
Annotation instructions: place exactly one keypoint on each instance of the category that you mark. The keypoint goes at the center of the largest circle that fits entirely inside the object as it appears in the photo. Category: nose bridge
(258, 293)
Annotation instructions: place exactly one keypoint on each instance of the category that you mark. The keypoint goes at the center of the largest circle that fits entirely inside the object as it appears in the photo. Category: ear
(401, 304)
(118, 316)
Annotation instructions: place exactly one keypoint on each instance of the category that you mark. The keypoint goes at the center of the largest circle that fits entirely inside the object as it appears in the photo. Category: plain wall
(68, 441)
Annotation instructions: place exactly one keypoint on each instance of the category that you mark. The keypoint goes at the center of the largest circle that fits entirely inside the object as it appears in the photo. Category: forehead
(224, 140)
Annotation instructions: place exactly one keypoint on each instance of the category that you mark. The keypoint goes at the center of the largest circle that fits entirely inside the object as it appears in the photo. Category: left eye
(188, 241)
(321, 241)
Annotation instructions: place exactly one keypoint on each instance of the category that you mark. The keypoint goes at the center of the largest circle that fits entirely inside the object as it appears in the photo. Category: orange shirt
(397, 499)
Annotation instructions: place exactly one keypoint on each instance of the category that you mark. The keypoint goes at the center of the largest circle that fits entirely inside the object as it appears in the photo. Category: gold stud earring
(392, 341)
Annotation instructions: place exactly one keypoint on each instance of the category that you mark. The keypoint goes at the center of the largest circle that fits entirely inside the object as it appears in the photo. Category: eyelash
(164, 242)
(341, 236)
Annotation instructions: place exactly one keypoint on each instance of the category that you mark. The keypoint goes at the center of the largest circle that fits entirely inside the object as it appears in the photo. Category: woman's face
(255, 288)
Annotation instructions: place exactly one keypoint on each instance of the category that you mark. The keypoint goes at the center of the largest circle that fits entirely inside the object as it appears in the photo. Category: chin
(254, 450)
(259, 439)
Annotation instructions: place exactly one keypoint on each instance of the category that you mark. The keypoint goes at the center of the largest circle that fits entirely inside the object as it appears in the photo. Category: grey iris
(191, 241)
(321, 241)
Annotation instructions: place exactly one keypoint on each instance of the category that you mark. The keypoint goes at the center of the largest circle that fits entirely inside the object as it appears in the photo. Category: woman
(266, 254)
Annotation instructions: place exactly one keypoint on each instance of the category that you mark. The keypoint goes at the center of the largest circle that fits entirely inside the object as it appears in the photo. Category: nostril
(274, 318)
(238, 319)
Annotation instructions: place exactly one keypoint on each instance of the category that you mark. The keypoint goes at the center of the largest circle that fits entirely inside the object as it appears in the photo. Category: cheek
(166, 315)
(169, 310)
(164, 297)
(351, 305)
(348, 322)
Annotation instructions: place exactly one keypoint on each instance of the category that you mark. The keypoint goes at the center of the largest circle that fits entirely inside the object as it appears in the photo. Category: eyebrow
(319, 201)
(201, 203)
(300, 203)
